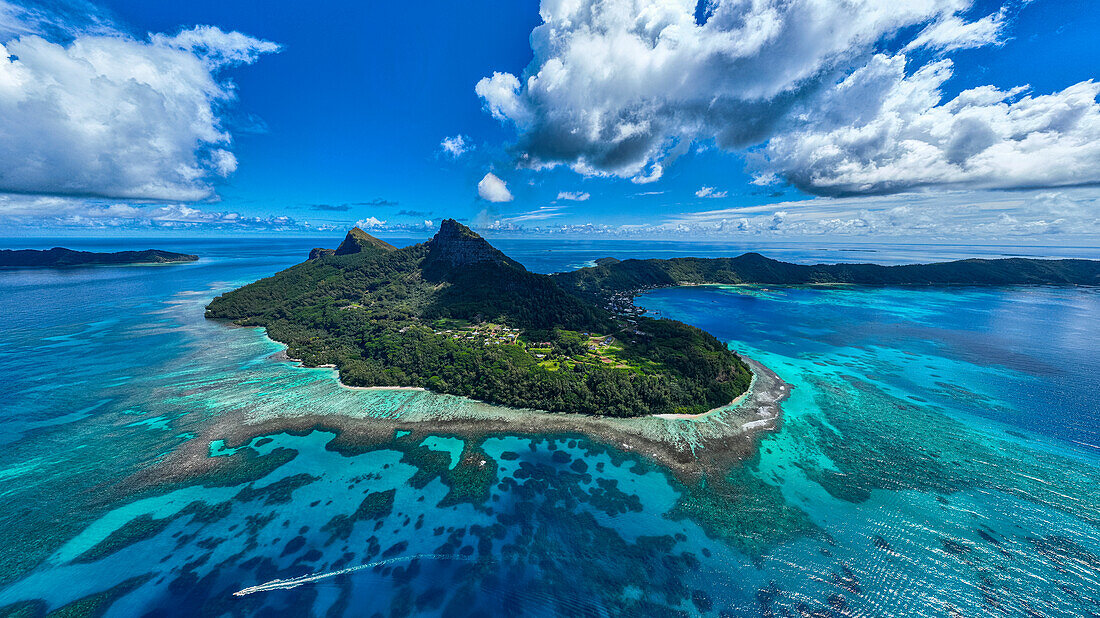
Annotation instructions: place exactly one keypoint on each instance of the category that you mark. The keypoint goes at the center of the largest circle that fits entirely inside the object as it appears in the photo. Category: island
(455, 315)
(521, 350)
(614, 282)
(61, 257)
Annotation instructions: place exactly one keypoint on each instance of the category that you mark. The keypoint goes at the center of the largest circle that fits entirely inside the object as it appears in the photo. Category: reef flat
(691, 448)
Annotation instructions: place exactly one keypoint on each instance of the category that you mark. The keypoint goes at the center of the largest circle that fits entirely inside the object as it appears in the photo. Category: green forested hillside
(61, 257)
(610, 277)
(458, 316)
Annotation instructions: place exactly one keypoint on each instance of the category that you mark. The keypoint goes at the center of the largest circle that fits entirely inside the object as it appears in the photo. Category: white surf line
(1085, 444)
(294, 582)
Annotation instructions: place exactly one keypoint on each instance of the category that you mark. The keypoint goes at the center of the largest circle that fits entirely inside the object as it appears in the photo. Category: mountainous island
(61, 257)
(455, 315)
(611, 277)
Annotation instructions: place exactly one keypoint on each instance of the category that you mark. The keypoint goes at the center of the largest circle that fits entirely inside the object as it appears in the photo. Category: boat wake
(294, 582)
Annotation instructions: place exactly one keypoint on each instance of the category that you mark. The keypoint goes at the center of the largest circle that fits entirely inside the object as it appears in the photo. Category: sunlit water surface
(939, 454)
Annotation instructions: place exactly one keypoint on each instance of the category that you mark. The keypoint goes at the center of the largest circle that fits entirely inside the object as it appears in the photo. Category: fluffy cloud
(370, 223)
(950, 215)
(623, 87)
(617, 85)
(574, 196)
(710, 192)
(454, 147)
(36, 212)
(881, 131)
(110, 115)
(493, 189)
(1066, 215)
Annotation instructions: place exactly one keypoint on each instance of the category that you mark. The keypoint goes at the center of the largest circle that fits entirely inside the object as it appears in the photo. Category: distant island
(455, 315)
(614, 278)
(61, 257)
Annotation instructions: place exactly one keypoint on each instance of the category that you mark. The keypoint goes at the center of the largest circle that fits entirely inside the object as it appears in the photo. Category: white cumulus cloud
(455, 146)
(1058, 216)
(493, 189)
(881, 131)
(106, 114)
(33, 212)
(624, 87)
(945, 215)
(370, 223)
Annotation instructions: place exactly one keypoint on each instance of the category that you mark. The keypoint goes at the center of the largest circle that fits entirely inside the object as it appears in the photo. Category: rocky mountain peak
(358, 241)
(457, 245)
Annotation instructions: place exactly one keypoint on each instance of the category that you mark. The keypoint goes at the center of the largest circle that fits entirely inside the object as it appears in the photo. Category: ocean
(939, 456)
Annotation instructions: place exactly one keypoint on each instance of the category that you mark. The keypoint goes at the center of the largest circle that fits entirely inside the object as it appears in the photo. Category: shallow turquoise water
(938, 454)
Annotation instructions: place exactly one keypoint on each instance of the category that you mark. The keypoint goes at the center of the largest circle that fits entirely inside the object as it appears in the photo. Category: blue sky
(929, 119)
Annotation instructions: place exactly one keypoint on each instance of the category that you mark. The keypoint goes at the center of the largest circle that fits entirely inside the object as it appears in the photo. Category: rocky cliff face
(318, 252)
(456, 245)
(358, 241)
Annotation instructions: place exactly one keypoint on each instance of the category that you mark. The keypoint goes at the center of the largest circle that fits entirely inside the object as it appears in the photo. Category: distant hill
(610, 277)
(59, 257)
(458, 316)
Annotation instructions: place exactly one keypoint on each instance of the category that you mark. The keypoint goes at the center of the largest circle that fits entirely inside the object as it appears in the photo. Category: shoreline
(282, 356)
(754, 366)
(386, 388)
(689, 448)
(737, 401)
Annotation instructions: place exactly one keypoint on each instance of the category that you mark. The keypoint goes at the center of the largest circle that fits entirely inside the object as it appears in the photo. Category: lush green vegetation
(60, 256)
(611, 276)
(457, 316)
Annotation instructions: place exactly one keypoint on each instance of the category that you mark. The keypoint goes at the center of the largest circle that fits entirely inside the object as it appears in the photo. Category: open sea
(939, 456)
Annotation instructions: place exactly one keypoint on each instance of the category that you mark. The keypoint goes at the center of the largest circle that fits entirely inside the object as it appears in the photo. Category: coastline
(702, 415)
(756, 367)
(386, 388)
(690, 448)
(4, 267)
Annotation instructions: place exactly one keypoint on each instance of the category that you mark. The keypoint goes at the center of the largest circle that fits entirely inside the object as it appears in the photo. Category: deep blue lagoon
(939, 455)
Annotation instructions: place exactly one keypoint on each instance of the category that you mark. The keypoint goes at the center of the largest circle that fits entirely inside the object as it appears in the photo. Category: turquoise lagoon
(939, 456)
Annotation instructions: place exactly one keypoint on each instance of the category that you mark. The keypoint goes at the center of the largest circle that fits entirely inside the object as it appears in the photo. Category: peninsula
(61, 257)
(454, 315)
